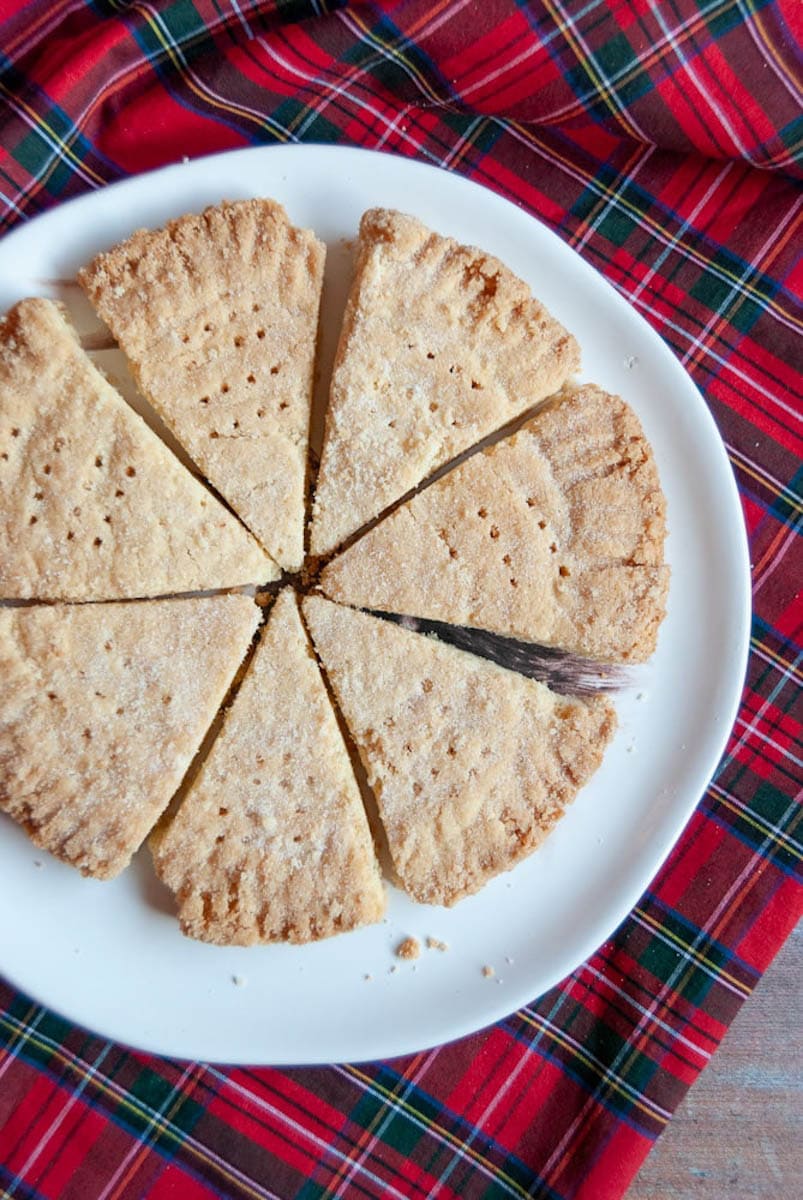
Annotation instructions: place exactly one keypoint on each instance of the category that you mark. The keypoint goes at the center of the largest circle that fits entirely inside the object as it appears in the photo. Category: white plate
(110, 956)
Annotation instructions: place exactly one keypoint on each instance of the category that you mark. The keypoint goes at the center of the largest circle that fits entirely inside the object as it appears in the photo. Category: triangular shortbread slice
(554, 535)
(441, 345)
(101, 710)
(272, 842)
(94, 506)
(218, 316)
(471, 765)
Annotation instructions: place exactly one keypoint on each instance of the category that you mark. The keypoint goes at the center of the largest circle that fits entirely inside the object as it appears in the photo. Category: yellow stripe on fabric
(770, 46)
(367, 1133)
(686, 31)
(789, 668)
(604, 1074)
(723, 318)
(386, 48)
(649, 58)
(616, 108)
(124, 1100)
(145, 1141)
(737, 897)
(686, 248)
(781, 839)
(181, 65)
(41, 124)
(467, 142)
(469, 1151)
(18, 1036)
(690, 952)
(612, 196)
(781, 490)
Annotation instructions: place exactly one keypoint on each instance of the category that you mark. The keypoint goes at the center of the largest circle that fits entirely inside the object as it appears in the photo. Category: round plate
(110, 955)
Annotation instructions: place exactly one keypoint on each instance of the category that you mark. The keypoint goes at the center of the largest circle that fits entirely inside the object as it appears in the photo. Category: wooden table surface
(738, 1135)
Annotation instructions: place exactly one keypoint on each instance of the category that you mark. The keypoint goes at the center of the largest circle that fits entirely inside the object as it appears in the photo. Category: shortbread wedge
(101, 711)
(441, 345)
(272, 842)
(554, 535)
(218, 316)
(471, 765)
(93, 506)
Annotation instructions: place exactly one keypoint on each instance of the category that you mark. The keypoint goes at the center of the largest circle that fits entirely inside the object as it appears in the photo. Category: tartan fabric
(662, 142)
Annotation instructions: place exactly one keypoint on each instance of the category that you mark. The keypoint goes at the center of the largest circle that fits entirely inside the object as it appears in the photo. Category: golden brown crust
(101, 710)
(272, 843)
(441, 344)
(471, 765)
(218, 315)
(94, 505)
(554, 535)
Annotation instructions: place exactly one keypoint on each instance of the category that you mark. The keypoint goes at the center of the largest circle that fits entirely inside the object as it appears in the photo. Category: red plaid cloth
(662, 142)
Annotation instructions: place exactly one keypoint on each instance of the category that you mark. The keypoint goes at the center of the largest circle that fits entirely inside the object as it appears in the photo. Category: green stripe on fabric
(292, 113)
(789, 504)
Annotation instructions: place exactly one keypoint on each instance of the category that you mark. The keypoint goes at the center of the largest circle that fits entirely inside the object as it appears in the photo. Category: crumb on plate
(409, 948)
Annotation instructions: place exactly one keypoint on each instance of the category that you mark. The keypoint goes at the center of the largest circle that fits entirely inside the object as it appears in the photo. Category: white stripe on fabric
(479, 1123)
(240, 15)
(658, 1022)
(790, 670)
(75, 131)
(652, 228)
(613, 198)
(432, 1130)
(145, 1138)
(674, 241)
(373, 1137)
(57, 1121)
(341, 90)
(749, 19)
(605, 93)
(685, 64)
(129, 1100)
(772, 566)
(745, 463)
(305, 1133)
(736, 286)
(784, 839)
(11, 1051)
(215, 97)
